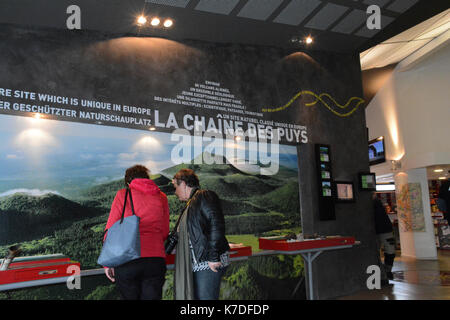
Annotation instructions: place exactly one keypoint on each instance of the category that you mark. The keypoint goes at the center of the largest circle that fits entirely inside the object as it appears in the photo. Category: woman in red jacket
(143, 278)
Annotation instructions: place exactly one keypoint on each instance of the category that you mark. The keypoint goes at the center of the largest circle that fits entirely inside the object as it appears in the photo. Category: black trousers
(141, 279)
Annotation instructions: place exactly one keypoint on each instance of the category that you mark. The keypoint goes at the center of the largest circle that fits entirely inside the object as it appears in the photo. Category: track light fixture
(168, 23)
(302, 40)
(141, 20)
(154, 22)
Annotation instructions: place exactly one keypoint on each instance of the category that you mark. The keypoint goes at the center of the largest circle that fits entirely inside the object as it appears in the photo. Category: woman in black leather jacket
(202, 249)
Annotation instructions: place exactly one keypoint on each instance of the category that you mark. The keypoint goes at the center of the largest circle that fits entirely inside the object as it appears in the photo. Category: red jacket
(151, 206)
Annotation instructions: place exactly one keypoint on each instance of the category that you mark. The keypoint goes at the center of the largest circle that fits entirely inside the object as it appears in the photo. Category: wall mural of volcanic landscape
(58, 180)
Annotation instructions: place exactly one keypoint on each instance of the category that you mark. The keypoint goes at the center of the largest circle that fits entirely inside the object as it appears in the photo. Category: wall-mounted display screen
(324, 154)
(325, 184)
(344, 191)
(367, 181)
(376, 151)
(326, 188)
(325, 174)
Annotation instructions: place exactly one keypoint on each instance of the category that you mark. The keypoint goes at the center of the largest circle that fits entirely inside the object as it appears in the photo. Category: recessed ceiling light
(442, 178)
(237, 138)
(155, 22)
(152, 129)
(141, 20)
(438, 170)
(309, 40)
(168, 23)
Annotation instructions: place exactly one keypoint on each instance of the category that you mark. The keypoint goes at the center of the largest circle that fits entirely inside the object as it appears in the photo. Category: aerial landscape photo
(58, 180)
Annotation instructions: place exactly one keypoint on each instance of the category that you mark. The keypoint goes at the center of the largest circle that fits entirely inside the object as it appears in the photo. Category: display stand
(37, 270)
(308, 249)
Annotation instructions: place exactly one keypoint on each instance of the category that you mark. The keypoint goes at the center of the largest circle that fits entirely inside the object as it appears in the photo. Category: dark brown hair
(188, 176)
(136, 171)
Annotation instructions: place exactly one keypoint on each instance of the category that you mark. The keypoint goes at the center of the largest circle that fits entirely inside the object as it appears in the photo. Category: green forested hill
(101, 196)
(248, 198)
(253, 205)
(204, 169)
(283, 199)
(25, 217)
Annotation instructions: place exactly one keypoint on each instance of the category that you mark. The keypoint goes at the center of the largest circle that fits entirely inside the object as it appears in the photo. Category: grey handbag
(122, 243)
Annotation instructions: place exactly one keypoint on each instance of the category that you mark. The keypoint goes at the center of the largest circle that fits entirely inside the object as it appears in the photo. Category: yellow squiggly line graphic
(317, 99)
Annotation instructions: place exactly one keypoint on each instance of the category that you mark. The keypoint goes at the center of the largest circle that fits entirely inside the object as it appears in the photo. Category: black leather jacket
(206, 226)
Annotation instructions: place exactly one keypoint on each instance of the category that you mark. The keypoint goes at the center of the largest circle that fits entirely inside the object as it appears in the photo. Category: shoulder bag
(122, 243)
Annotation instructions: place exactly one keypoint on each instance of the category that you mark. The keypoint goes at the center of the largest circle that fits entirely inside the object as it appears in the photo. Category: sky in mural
(41, 153)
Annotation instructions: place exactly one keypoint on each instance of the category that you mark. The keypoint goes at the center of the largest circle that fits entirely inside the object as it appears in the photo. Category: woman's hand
(214, 265)
(110, 274)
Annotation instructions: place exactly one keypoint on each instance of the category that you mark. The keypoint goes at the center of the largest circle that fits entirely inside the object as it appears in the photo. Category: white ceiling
(431, 175)
(435, 175)
(426, 34)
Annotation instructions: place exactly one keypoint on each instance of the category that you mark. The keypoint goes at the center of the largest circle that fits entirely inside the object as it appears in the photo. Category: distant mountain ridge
(24, 217)
(101, 196)
(221, 167)
(256, 202)
(37, 205)
(198, 164)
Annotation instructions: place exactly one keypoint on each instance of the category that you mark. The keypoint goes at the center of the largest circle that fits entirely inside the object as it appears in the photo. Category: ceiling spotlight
(141, 20)
(152, 129)
(155, 22)
(309, 40)
(37, 116)
(168, 23)
(295, 39)
(438, 170)
(442, 178)
(237, 138)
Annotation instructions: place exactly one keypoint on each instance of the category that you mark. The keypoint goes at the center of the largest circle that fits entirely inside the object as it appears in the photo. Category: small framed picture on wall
(345, 192)
(367, 181)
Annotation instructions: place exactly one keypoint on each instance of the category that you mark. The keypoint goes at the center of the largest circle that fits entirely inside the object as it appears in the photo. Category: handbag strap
(184, 209)
(125, 204)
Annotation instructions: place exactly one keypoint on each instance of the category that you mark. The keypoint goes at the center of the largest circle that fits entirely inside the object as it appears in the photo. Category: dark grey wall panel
(133, 70)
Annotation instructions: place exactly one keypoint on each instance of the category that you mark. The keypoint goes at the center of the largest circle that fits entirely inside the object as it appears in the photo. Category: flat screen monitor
(324, 154)
(376, 151)
(326, 189)
(367, 181)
